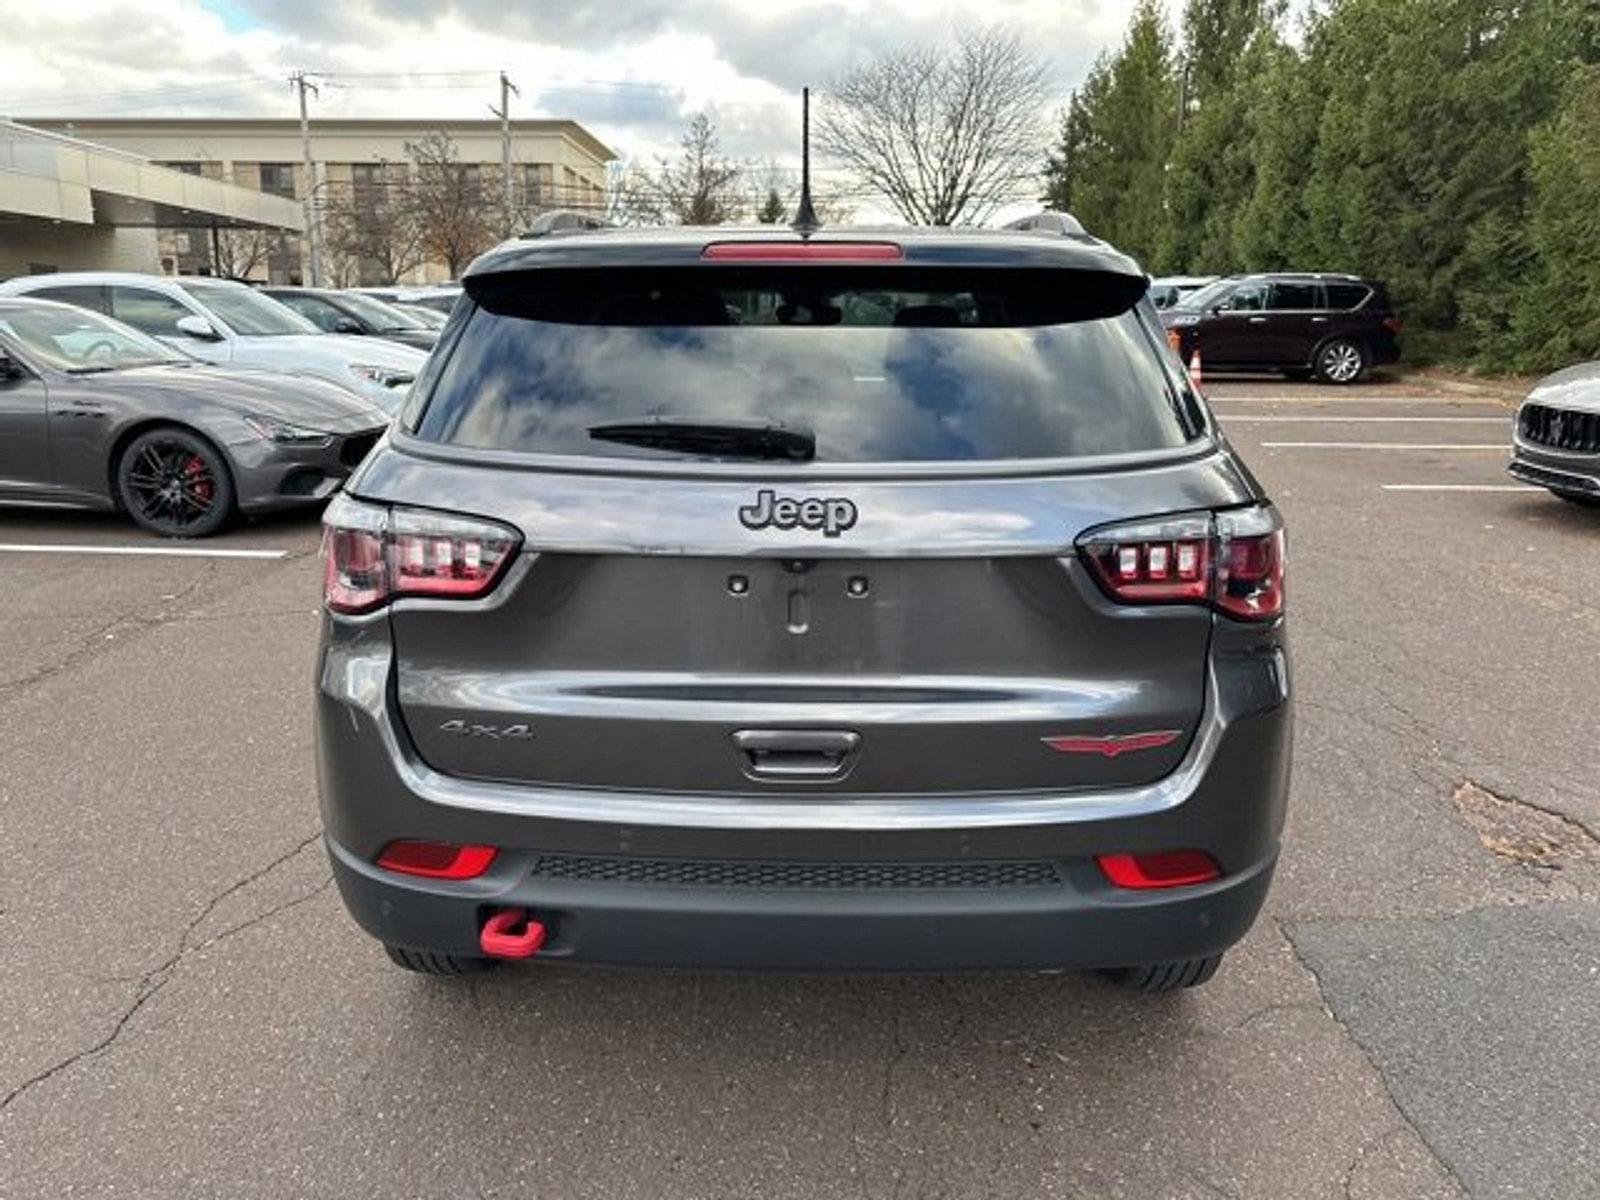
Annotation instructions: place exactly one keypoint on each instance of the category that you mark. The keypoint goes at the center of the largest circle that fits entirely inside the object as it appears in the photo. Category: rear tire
(426, 962)
(1341, 362)
(1166, 976)
(1582, 499)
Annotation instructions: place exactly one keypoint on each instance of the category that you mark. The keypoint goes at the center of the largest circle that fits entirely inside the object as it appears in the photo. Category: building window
(278, 179)
(188, 168)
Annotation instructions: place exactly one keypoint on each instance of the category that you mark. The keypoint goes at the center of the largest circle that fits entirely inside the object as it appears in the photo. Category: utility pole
(504, 113)
(303, 84)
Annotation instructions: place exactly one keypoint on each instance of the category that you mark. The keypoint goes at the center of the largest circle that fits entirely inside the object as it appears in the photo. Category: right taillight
(1232, 560)
(373, 554)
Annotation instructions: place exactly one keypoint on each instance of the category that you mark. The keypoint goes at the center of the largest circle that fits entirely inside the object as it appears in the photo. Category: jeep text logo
(833, 516)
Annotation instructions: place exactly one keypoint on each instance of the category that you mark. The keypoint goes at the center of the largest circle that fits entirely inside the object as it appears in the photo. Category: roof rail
(563, 220)
(1064, 224)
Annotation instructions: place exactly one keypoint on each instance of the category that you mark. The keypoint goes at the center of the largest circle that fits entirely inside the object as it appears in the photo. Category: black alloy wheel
(175, 483)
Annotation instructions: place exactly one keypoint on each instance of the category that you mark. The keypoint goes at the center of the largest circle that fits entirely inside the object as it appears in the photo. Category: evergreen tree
(772, 209)
(1557, 314)
(1110, 164)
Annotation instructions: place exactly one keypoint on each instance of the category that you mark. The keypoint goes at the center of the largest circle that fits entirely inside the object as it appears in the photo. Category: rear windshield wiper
(722, 439)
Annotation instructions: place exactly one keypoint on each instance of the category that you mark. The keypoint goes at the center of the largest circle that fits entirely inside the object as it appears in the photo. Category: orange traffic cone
(1194, 367)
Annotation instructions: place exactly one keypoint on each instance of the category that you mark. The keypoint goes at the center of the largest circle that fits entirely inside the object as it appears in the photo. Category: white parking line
(163, 551)
(1501, 447)
(1234, 420)
(1459, 487)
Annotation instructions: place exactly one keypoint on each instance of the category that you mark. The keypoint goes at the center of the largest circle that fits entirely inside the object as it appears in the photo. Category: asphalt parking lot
(186, 1009)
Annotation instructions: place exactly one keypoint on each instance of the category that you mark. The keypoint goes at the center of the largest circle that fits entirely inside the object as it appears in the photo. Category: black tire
(1342, 361)
(1582, 499)
(174, 483)
(1167, 976)
(426, 962)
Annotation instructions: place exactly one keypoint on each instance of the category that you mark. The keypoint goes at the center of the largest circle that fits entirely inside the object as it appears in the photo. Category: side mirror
(198, 328)
(347, 325)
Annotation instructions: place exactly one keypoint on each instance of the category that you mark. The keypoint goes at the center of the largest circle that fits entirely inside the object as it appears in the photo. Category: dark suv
(1336, 327)
(881, 599)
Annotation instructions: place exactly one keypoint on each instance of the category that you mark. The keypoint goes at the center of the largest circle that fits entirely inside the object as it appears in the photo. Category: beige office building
(555, 164)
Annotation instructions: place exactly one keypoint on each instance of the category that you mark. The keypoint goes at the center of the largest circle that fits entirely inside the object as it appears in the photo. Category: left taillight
(372, 554)
(1231, 560)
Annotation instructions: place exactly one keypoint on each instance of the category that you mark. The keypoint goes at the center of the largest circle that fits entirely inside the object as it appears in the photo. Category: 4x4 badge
(833, 515)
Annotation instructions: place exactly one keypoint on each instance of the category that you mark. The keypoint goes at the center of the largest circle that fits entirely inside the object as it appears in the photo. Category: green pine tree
(1109, 165)
(773, 209)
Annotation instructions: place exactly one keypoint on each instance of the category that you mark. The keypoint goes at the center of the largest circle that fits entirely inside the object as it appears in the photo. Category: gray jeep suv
(869, 599)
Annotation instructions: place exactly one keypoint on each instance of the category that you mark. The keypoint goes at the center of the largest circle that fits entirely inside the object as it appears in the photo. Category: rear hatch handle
(797, 754)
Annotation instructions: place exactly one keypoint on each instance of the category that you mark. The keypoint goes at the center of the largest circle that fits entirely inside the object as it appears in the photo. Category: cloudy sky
(632, 70)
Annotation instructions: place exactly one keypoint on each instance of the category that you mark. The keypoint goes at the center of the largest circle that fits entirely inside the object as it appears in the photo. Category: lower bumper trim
(1082, 923)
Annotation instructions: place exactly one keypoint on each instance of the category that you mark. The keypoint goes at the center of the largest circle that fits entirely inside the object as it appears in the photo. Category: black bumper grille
(807, 876)
(1561, 428)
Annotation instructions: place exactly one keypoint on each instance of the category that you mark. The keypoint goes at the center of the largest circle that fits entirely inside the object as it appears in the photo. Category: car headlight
(285, 434)
(385, 377)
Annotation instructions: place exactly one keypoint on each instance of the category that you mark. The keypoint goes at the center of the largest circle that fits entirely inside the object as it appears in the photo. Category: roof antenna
(805, 216)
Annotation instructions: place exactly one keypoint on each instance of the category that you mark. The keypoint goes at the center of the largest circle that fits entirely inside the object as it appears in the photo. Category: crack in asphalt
(1287, 934)
(1348, 1183)
(141, 619)
(150, 984)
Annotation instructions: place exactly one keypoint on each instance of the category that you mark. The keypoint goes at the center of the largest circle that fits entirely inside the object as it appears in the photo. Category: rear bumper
(1080, 921)
(1227, 798)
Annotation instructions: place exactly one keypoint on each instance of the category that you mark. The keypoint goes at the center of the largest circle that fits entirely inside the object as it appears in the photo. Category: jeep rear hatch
(904, 610)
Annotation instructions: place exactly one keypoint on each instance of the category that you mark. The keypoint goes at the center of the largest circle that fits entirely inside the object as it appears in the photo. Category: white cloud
(630, 71)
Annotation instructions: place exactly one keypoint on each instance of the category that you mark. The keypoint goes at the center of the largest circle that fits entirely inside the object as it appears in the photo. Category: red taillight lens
(373, 554)
(803, 252)
(1233, 560)
(1163, 869)
(1250, 575)
(1393, 324)
(436, 860)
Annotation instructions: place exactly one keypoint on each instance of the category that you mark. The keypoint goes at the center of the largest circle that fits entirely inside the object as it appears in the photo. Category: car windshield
(249, 313)
(71, 339)
(874, 367)
(376, 313)
(1203, 298)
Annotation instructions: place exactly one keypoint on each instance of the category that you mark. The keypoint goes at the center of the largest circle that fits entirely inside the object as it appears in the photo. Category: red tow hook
(501, 938)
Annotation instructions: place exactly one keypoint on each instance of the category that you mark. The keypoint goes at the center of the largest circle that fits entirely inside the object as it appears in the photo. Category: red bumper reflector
(511, 933)
(436, 860)
(803, 252)
(1163, 869)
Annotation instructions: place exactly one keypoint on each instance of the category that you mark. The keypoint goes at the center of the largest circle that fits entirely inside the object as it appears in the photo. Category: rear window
(881, 365)
(1347, 295)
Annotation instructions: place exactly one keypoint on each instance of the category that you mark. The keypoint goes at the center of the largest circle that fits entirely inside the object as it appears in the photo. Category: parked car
(439, 297)
(1169, 289)
(352, 312)
(870, 600)
(231, 324)
(431, 318)
(94, 414)
(1556, 435)
(1336, 327)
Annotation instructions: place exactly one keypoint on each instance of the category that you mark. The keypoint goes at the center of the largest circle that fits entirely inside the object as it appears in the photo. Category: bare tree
(235, 253)
(700, 187)
(456, 216)
(946, 135)
(377, 228)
